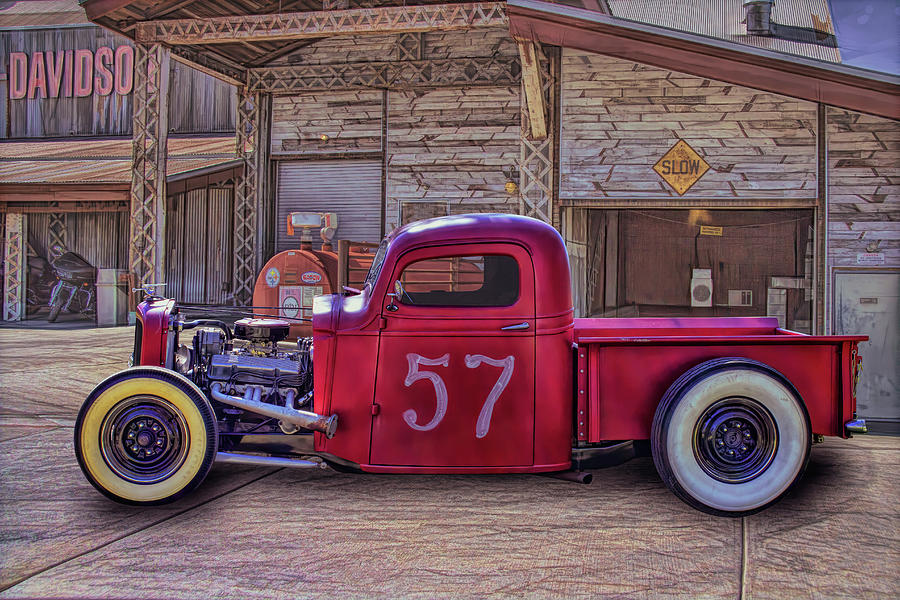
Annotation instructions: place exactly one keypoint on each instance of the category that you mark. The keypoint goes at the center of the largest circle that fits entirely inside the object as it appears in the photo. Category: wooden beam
(386, 75)
(94, 9)
(66, 196)
(534, 90)
(303, 25)
(47, 188)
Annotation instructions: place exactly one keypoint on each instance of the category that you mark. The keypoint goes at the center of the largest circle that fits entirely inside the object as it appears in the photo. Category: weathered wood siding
(863, 187)
(619, 118)
(351, 120)
(448, 150)
(199, 103)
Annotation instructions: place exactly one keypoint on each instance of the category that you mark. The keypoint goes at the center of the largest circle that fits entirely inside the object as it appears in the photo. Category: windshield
(375, 269)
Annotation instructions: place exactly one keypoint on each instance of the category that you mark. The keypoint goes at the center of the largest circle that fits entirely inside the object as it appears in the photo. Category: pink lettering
(103, 80)
(54, 72)
(84, 73)
(18, 75)
(67, 75)
(37, 77)
(124, 70)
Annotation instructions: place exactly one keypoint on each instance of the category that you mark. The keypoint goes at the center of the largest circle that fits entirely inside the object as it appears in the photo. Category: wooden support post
(14, 263)
(533, 91)
(536, 157)
(820, 302)
(343, 265)
(146, 254)
(250, 192)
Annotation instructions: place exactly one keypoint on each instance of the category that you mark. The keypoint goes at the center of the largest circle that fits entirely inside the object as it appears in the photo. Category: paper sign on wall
(870, 259)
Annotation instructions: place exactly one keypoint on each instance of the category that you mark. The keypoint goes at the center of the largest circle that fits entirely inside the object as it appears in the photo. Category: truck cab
(470, 319)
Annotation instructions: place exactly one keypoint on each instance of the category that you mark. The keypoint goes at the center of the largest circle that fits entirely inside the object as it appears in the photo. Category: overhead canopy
(228, 38)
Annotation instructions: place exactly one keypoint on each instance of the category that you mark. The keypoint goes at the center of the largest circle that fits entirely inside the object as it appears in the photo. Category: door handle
(519, 327)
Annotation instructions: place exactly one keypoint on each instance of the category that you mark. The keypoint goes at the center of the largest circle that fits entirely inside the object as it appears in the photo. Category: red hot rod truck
(461, 355)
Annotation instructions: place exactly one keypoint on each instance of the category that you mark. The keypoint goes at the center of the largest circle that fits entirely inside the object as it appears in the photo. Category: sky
(867, 33)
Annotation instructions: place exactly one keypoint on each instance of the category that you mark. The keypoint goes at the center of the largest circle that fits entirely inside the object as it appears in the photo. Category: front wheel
(146, 436)
(730, 437)
(55, 307)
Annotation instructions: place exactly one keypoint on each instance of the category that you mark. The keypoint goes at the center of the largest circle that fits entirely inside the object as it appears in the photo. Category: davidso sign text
(68, 73)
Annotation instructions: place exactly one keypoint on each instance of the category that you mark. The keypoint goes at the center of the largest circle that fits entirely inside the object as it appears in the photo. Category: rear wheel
(146, 436)
(730, 437)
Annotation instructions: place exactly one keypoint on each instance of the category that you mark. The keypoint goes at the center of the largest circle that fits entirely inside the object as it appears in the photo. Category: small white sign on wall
(870, 259)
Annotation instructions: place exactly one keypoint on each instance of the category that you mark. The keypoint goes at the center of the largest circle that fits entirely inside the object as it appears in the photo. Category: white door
(867, 303)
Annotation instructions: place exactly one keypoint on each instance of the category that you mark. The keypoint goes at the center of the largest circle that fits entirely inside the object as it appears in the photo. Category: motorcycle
(74, 292)
(40, 284)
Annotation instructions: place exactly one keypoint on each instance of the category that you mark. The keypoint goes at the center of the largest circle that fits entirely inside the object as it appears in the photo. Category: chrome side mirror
(398, 292)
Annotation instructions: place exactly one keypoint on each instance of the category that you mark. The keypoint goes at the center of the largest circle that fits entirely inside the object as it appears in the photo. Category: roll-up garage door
(350, 188)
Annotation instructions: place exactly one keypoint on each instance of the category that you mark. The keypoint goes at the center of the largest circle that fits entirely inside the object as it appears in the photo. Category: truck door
(455, 376)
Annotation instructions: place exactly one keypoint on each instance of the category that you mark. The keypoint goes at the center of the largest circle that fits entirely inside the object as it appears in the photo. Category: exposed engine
(261, 382)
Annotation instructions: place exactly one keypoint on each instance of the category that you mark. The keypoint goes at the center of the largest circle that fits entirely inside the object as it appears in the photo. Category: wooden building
(66, 151)
(715, 171)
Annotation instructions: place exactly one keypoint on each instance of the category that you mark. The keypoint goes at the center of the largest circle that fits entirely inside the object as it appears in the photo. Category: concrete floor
(267, 533)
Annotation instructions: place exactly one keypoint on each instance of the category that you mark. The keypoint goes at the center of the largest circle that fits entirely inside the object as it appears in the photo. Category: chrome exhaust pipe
(251, 402)
(575, 476)
(267, 461)
(856, 426)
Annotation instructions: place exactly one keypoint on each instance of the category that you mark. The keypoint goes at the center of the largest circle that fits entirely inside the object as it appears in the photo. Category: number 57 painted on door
(483, 424)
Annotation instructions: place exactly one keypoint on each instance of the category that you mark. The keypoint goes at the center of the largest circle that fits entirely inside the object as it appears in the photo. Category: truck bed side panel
(626, 381)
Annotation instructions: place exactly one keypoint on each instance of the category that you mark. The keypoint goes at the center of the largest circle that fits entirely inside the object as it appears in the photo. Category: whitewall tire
(731, 436)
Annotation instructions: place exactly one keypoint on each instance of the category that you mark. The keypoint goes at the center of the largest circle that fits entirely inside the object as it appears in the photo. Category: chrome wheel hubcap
(144, 439)
(735, 440)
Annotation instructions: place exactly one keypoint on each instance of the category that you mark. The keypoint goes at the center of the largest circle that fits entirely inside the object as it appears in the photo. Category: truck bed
(625, 366)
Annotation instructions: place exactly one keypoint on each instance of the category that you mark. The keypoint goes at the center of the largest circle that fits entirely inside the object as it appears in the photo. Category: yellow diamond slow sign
(681, 167)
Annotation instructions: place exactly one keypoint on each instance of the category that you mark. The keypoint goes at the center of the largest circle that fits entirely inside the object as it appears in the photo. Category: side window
(490, 280)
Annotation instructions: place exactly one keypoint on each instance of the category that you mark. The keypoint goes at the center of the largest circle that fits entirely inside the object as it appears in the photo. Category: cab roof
(543, 243)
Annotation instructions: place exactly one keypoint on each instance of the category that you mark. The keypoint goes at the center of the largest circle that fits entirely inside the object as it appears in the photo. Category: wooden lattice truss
(14, 267)
(146, 256)
(299, 25)
(58, 235)
(540, 69)
(410, 46)
(394, 75)
(246, 196)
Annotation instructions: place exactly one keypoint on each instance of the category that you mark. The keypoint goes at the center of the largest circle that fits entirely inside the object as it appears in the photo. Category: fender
(152, 332)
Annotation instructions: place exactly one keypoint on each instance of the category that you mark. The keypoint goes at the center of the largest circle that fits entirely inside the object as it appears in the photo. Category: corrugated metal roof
(45, 13)
(101, 161)
(723, 19)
